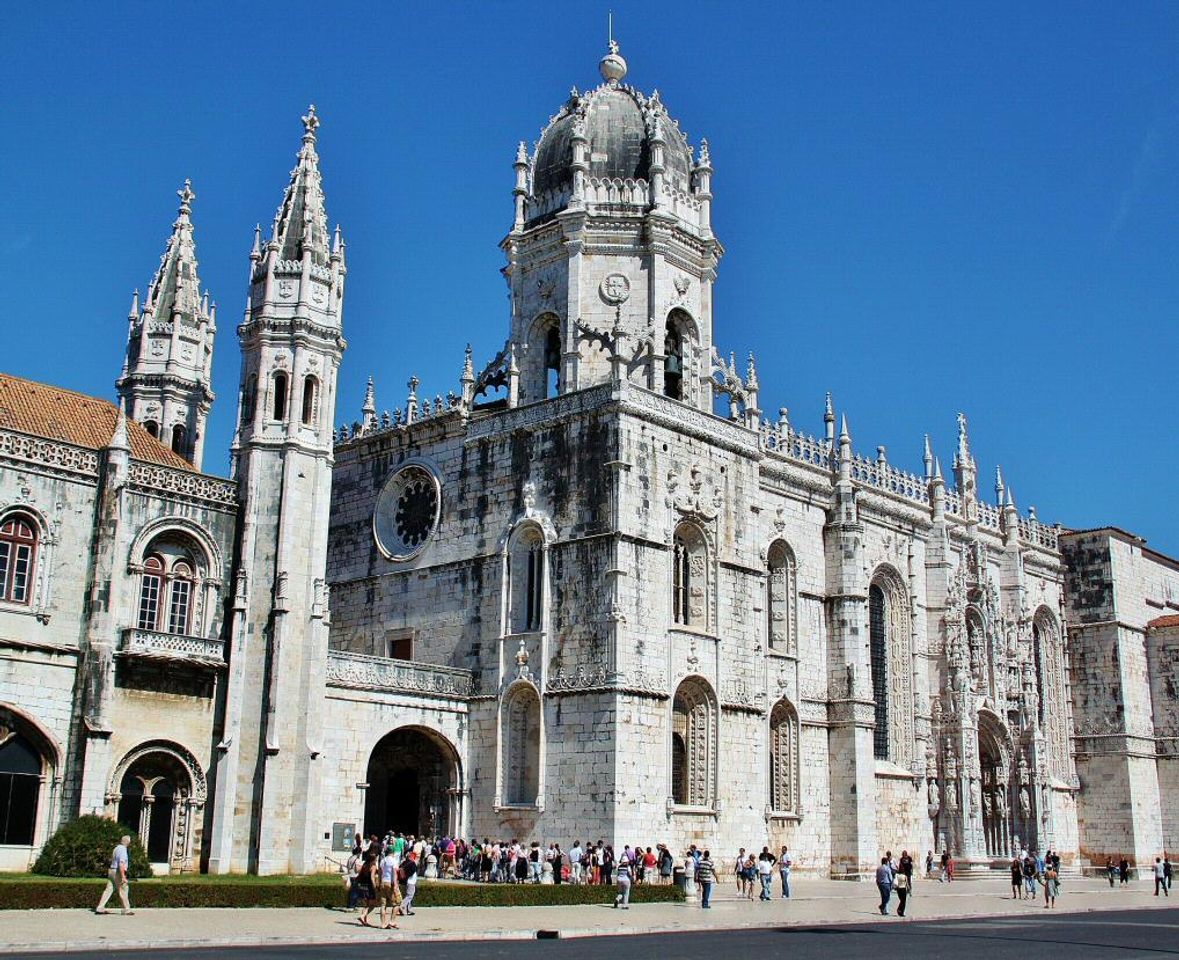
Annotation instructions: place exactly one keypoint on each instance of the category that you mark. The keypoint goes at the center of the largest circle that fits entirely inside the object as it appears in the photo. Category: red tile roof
(58, 414)
(1158, 623)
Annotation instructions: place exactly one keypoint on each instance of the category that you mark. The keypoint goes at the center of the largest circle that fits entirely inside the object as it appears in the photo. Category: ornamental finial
(310, 123)
(186, 196)
(612, 66)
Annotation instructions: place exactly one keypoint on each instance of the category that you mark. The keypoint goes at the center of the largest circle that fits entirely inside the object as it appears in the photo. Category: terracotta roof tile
(58, 414)
(1158, 623)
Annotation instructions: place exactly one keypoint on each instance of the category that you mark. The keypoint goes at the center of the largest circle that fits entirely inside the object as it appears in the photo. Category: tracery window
(180, 440)
(522, 746)
(1053, 702)
(526, 587)
(167, 590)
(784, 789)
(689, 589)
(20, 789)
(891, 662)
(280, 386)
(18, 558)
(693, 737)
(310, 398)
(782, 599)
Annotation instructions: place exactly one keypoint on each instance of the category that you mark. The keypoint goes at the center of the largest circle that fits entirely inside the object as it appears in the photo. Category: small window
(552, 362)
(180, 598)
(399, 644)
(152, 427)
(310, 389)
(689, 598)
(18, 558)
(249, 397)
(180, 440)
(280, 396)
(150, 588)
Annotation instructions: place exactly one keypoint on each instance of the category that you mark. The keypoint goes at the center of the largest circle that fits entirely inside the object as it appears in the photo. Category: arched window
(552, 361)
(673, 361)
(152, 427)
(180, 440)
(526, 580)
(20, 788)
(18, 558)
(522, 747)
(249, 398)
(784, 791)
(167, 589)
(155, 796)
(310, 399)
(279, 411)
(782, 599)
(1049, 656)
(891, 662)
(689, 596)
(693, 738)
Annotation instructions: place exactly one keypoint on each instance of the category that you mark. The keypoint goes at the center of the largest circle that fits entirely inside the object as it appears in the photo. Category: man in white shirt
(575, 861)
(116, 878)
(784, 865)
(1160, 877)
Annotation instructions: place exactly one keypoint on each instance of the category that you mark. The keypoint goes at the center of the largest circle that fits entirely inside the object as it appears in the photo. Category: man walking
(116, 879)
(884, 884)
(706, 877)
(1160, 877)
(784, 865)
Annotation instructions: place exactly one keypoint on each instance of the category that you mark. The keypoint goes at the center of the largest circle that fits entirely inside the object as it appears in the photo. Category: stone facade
(568, 599)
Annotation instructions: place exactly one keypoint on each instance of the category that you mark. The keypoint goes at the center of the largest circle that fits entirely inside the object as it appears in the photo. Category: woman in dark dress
(521, 869)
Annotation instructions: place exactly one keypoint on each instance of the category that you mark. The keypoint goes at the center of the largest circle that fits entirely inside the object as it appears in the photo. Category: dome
(618, 124)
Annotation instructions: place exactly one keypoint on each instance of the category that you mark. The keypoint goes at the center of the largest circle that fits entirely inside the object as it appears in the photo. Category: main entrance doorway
(413, 780)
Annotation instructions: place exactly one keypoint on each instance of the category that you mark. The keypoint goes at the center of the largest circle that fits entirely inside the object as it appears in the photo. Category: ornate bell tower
(611, 257)
(292, 342)
(167, 376)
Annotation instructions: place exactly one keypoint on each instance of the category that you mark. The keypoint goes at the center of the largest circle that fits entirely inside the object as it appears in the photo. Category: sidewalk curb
(409, 935)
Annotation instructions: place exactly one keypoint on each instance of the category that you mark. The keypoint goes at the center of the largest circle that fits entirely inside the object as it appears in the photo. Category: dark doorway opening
(412, 785)
(403, 802)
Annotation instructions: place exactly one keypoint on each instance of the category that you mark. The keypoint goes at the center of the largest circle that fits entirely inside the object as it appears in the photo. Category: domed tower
(612, 258)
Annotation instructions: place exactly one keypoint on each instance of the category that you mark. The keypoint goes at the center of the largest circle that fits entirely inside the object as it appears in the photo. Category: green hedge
(82, 848)
(34, 892)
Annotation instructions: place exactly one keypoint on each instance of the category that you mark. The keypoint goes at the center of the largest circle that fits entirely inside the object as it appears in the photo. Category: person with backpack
(622, 899)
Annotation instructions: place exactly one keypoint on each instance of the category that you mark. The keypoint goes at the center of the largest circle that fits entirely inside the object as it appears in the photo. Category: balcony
(361, 672)
(172, 648)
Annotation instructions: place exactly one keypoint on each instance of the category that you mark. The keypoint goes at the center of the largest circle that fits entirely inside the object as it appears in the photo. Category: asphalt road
(1114, 935)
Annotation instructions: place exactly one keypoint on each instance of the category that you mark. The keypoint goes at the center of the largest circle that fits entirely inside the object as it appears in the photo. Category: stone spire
(301, 223)
(167, 377)
(368, 413)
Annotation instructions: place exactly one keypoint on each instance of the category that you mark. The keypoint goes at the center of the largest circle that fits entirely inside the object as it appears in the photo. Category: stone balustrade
(362, 672)
(155, 645)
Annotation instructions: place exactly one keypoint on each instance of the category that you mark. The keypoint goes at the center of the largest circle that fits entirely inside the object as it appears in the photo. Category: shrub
(26, 893)
(82, 848)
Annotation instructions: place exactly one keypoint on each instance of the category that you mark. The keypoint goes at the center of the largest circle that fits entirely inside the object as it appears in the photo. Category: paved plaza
(816, 902)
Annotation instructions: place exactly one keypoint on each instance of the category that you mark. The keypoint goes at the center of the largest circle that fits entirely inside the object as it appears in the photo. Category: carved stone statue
(935, 798)
(951, 795)
(975, 794)
(1025, 804)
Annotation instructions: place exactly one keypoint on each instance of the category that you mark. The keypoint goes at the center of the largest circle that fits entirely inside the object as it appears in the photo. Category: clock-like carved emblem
(615, 289)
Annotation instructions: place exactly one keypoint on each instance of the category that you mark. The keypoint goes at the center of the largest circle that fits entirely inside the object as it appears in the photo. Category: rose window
(407, 512)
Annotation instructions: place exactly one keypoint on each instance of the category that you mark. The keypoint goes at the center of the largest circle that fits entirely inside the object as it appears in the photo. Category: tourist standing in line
(1110, 870)
(389, 895)
(784, 865)
(534, 861)
(116, 878)
(739, 872)
(353, 868)
(622, 899)
(706, 877)
(1124, 872)
(1017, 879)
(1029, 877)
(1160, 877)
(901, 883)
(608, 864)
(368, 880)
(928, 863)
(884, 884)
(575, 857)
(765, 873)
(666, 864)
(410, 869)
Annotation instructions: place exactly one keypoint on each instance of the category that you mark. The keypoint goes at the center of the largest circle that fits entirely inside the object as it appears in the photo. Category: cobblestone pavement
(814, 902)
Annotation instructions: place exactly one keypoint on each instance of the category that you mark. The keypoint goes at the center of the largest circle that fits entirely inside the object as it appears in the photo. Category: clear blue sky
(927, 207)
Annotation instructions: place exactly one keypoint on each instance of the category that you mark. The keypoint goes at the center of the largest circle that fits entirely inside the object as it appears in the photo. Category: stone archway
(159, 793)
(414, 784)
(994, 761)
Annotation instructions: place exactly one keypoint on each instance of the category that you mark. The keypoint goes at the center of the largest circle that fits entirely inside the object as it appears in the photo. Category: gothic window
(249, 398)
(526, 580)
(879, 659)
(693, 736)
(782, 599)
(20, 788)
(522, 747)
(891, 662)
(689, 594)
(167, 589)
(784, 758)
(155, 794)
(1053, 702)
(673, 361)
(18, 558)
(180, 440)
(552, 361)
(279, 411)
(1038, 658)
(310, 397)
(152, 427)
